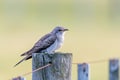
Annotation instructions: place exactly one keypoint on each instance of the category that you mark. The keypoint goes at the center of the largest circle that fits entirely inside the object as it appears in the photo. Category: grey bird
(47, 44)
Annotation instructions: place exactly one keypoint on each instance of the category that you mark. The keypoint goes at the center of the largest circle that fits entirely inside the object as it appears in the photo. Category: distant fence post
(60, 68)
(83, 71)
(19, 78)
(114, 69)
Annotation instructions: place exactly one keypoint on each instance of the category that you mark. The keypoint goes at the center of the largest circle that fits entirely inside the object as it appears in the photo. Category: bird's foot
(45, 53)
(50, 55)
(53, 52)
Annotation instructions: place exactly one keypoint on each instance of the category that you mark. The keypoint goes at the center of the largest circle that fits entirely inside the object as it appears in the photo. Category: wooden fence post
(60, 68)
(83, 71)
(19, 78)
(114, 69)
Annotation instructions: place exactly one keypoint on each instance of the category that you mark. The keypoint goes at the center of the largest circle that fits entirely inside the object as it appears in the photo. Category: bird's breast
(56, 45)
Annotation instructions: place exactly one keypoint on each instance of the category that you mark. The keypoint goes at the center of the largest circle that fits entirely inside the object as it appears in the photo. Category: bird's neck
(60, 37)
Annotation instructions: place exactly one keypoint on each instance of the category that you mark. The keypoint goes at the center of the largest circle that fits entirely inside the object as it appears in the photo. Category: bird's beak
(65, 30)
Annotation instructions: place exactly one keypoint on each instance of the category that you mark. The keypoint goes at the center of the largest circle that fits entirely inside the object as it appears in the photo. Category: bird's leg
(53, 52)
(50, 55)
(45, 52)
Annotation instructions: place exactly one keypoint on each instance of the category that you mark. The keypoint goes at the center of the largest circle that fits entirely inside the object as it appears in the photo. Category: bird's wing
(42, 44)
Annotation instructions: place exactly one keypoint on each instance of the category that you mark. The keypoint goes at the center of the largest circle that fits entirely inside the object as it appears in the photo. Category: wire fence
(49, 64)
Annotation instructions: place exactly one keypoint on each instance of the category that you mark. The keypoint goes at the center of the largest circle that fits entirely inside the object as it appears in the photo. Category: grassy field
(94, 33)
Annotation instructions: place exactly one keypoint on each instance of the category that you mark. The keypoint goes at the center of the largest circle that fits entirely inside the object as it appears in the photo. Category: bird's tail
(19, 62)
(25, 58)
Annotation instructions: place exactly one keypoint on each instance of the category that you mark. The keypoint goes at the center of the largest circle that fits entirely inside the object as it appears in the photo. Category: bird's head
(59, 30)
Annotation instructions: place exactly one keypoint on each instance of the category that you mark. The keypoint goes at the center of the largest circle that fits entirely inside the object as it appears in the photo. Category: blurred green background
(94, 32)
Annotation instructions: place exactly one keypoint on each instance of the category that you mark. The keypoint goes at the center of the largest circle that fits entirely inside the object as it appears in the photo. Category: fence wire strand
(40, 68)
(36, 70)
(96, 61)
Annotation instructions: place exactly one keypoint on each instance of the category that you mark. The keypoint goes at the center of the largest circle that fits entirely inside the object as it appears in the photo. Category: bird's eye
(59, 30)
